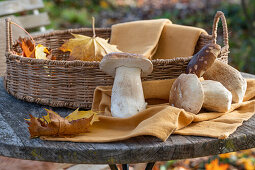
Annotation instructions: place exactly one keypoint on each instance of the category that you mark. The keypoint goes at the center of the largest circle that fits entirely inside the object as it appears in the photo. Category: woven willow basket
(72, 83)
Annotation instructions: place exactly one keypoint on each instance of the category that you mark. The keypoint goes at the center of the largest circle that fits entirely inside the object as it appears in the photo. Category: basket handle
(8, 30)
(220, 15)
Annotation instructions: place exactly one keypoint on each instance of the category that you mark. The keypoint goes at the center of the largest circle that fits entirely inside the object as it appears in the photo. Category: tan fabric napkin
(159, 37)
(139, 37)
(177, 41)
(160, 119)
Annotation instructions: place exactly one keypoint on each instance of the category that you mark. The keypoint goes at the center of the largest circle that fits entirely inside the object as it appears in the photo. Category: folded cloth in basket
(159, 37)
(160, 119)
(177, 41)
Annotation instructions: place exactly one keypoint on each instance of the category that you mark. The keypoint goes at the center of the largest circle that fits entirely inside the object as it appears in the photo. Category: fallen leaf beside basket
(54, 125)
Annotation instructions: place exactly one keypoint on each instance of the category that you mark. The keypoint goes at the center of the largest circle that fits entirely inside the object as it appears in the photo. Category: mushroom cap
(187, 93)
(114, 60)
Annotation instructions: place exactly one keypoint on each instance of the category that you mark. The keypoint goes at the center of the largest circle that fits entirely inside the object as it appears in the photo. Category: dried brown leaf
(55, 125)
(31, 51)
(27, 47)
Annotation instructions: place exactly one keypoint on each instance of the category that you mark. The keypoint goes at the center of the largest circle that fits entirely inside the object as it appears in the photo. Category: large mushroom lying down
(191, 94)
(216, 96)
(127, 94)
(229, 77)
(187, 93)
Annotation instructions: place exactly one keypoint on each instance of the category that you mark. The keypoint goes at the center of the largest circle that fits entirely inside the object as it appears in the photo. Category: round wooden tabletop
(15, 141)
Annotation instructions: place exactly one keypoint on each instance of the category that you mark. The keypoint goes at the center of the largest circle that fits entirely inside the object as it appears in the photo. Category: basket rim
(12, 56)
(74, 30)
(77, 30)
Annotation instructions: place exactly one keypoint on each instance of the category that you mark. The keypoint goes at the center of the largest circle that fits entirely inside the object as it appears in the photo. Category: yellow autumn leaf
(41, 52)
(75, 115)
(45, 119)
(86, 48)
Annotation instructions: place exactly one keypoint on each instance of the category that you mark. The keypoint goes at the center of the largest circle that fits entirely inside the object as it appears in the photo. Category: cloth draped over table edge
(160, 119)
(156, 39)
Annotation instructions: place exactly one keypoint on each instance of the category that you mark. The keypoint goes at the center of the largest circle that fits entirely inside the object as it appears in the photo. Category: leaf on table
(87, 48)
(54, 125)
(82, 114)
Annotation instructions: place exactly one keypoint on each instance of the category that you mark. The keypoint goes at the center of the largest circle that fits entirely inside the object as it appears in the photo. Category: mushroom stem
(127, 93)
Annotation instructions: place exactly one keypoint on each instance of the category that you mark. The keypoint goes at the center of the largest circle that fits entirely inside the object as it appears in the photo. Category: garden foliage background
(240, 16)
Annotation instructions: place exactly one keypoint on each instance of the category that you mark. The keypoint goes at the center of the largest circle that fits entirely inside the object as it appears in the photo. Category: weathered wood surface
(33, 21)
(12, 7)
(15, 141)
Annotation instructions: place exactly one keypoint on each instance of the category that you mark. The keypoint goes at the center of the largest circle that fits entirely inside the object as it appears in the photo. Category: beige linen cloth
(156, 39)
(160, 119)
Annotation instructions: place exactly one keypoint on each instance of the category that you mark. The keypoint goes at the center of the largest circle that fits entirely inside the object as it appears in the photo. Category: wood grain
(33, 21)
(15, 141)
(11, 7)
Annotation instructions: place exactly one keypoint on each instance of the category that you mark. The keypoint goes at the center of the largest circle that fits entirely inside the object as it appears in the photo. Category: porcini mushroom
(127, 94)
(216, 96)
(187, 93)
(229, 77)
(203, 59)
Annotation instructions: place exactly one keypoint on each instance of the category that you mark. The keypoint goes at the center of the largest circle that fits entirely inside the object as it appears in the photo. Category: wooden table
(15, 141)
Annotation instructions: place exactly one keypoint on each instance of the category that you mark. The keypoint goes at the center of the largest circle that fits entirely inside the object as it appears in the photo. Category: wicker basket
(72, 83)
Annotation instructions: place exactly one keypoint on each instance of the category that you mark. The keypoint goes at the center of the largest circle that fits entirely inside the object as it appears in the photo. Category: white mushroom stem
(127, 93)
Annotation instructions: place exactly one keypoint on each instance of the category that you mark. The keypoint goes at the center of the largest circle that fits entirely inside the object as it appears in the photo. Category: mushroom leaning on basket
(204, 64)
(229, 77)
(127, 93)
(190, 94)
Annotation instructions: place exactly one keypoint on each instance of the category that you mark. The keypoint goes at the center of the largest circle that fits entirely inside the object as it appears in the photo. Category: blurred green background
(240, 16)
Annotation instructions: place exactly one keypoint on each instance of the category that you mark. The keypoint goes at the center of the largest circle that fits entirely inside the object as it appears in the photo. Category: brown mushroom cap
(187, 93)
(114, 60)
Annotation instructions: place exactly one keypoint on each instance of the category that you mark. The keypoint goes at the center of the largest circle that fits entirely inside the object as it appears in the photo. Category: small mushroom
(187, 93)
(203, 60)
(127, 93)
(229, 77)
(216, 96)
